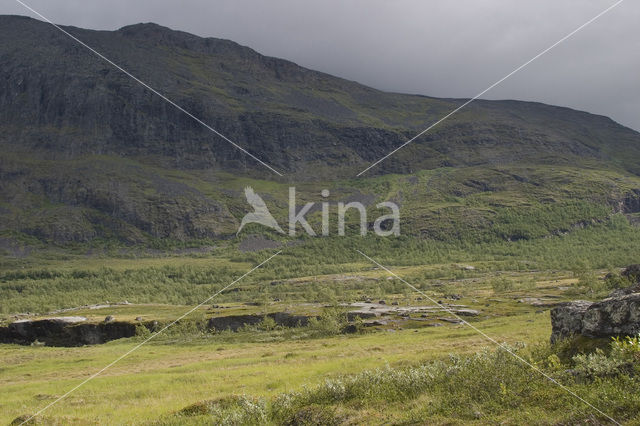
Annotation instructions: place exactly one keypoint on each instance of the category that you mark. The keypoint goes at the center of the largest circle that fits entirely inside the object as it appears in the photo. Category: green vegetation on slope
(41, 284)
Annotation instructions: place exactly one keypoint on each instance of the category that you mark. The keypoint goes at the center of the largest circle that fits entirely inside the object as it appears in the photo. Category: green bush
(623, 357)
(267, 324)
(598, 364)
(330, 323)
(314, 415)
(492, 384)
(627, 347)
(501, 285)
(232, 410)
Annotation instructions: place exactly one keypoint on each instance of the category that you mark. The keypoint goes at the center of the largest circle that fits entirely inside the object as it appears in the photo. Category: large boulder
(566, 319)
(614, 316)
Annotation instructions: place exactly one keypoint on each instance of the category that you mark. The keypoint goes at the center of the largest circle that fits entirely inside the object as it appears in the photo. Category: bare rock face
(64, 331)
(614, 316)
(235, 322)
(566, 319)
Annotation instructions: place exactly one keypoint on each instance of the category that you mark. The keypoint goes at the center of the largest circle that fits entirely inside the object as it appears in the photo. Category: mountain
(88, 153)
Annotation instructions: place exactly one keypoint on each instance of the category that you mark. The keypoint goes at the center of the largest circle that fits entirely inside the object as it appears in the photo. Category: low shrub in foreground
(492, 385)
(623, 357)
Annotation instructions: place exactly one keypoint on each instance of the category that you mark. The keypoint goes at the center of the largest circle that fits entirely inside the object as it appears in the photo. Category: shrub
(232, 410)
(614, 281)
(492, 384)
(500, 285)
(623, 356)
(267, 324)
(597, 364)
(590, 284)
(330, 323)
(626, 348)
(312, 415)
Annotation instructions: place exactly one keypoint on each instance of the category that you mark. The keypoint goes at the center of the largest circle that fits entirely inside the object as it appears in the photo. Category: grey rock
(351, 316)
(613, 316)
(566, 319)
(349, 329)
(538, 302)
(375, 323)
(64, 331)
(451, 320)
(467, 312)
(235, 322)
(624, 291)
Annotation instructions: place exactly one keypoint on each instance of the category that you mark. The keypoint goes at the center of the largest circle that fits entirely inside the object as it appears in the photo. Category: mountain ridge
(90, 154)
(272, 107)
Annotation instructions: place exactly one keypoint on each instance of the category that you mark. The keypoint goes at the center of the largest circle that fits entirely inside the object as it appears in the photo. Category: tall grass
(490, 385)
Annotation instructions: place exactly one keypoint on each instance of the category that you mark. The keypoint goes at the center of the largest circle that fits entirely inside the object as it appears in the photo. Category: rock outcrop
(64, 331)
(613, 316)
(369, 310)
(235, 322)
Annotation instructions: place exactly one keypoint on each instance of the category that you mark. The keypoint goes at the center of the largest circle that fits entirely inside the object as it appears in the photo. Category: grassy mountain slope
(90, 154)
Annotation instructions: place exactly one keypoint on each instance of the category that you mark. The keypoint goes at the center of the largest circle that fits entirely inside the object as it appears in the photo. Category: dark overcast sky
(440, 48)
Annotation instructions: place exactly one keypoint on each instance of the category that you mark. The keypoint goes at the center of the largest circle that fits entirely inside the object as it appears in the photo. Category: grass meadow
(404, 372)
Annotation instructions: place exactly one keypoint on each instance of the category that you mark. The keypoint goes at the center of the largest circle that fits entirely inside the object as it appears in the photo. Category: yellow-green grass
(161, 378)
(168, 313)
(166, 375)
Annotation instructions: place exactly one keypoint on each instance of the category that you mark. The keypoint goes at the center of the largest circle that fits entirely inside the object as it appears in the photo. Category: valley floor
(193, 376)
(161, 378)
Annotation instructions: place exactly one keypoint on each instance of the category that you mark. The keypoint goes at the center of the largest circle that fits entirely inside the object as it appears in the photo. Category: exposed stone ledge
(614, 316)
(65, 331)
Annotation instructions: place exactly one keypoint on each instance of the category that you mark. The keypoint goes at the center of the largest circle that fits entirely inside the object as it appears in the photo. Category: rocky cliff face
(58, 98)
